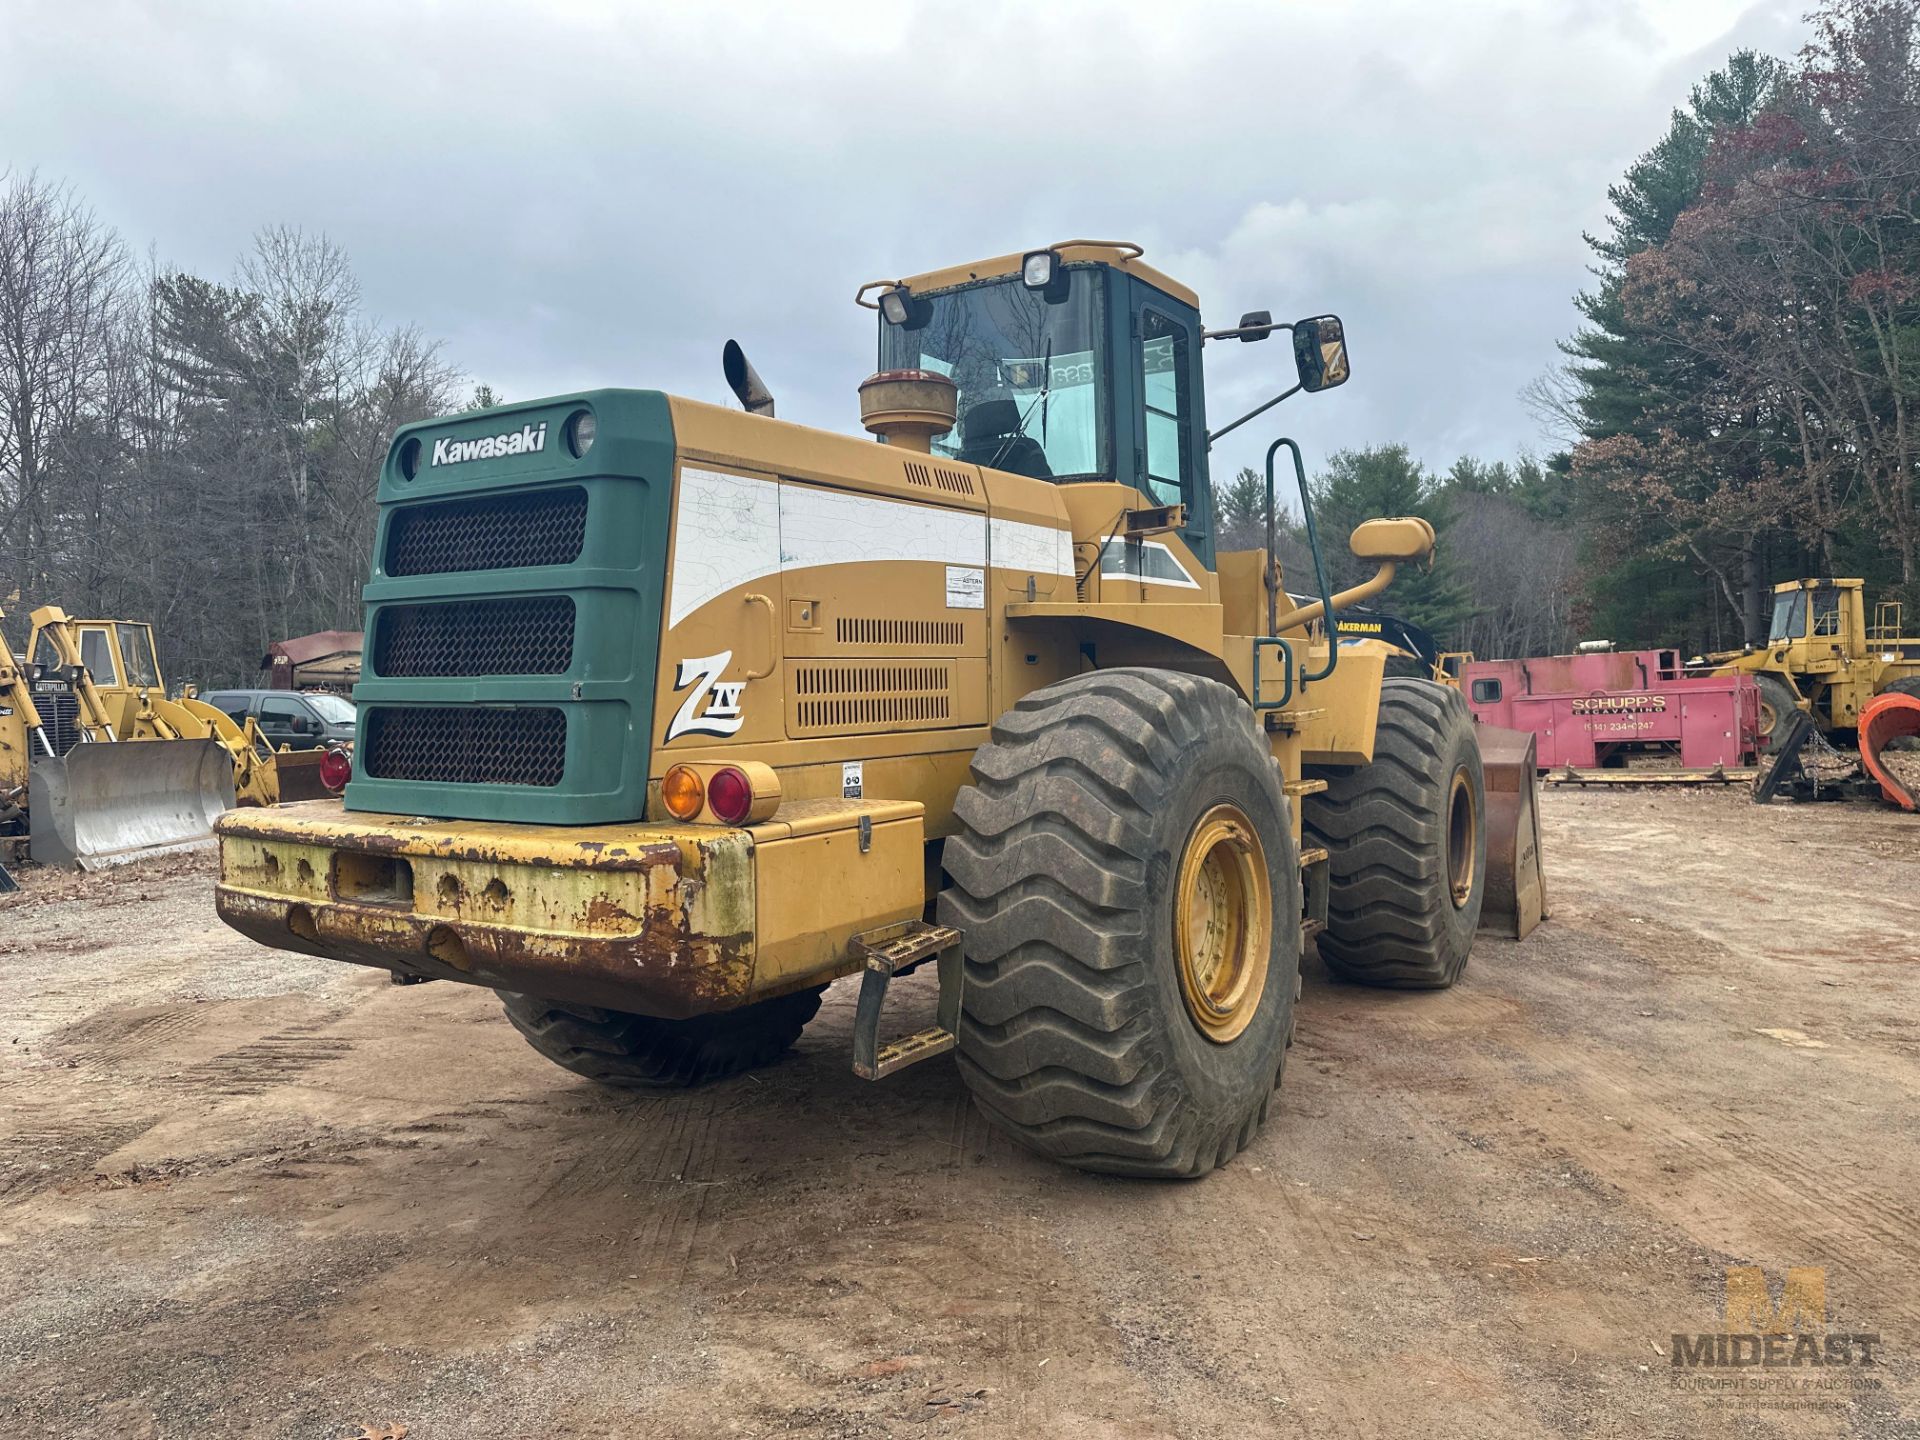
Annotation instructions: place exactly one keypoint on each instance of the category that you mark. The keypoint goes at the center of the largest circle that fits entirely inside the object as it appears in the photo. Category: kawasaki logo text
(524, 441)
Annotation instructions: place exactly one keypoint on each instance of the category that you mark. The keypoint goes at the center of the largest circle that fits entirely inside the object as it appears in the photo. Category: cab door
(1160, 366)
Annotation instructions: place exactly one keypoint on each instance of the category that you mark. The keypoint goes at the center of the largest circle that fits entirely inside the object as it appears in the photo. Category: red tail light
(730, 795)
(336, 768)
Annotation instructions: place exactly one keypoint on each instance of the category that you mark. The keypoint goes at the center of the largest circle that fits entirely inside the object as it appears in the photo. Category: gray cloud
(577, 195)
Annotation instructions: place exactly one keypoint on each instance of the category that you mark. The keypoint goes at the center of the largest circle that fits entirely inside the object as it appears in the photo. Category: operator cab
(1078, 363)
(1806, 609)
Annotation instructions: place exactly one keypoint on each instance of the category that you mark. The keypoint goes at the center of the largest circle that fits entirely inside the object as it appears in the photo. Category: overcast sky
(574, 195)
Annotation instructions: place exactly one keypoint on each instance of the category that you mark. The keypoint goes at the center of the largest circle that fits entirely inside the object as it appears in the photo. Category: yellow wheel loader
(1823, 656)
(670, 715)
(87, 692)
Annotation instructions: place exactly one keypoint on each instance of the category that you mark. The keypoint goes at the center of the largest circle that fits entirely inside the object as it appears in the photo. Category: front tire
(1128, 893)
(641, 1052)
(1777, 704)
(1406, 843)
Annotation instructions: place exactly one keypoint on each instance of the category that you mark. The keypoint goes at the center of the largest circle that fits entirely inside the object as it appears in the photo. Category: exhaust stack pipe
(754, 396)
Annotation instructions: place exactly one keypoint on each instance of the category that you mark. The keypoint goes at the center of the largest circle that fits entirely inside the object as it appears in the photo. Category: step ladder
(887, 952)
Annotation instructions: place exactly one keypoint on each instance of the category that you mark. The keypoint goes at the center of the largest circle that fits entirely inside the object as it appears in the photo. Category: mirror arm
(1213, 435)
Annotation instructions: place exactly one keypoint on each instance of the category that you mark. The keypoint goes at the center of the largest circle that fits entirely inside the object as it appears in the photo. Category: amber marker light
(682, 792)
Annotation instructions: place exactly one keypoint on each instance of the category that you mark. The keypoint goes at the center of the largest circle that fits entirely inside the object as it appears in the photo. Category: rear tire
(640, 1052)
(1406, 843)
(1128, 894)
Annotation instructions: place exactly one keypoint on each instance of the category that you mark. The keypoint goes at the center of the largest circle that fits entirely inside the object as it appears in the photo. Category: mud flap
(1516, 888)
(1887, 717)
(110, 802)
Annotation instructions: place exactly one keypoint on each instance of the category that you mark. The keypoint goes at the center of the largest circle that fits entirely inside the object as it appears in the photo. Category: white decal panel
(1148, 561)
(732, 529)
(729, 533)
(825, 527)
(1036, 549)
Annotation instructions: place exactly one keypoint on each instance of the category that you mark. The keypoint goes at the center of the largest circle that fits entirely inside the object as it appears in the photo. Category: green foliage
(1382, 480)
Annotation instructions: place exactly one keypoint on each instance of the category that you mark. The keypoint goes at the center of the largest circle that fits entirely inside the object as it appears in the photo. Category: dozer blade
(1888, 716)
(107, 803)
(1516, 889)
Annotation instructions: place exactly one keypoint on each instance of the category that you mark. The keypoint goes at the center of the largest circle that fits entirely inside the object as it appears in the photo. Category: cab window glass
(136, 648)
(1486, 692)
(1826, 612)
(1165, 384)
(96, 653)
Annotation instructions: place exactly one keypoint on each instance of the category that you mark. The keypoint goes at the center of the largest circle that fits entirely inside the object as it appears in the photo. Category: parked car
(297, 719)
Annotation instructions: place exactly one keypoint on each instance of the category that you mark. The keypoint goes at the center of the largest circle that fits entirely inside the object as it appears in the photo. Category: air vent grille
(831, 698)
(870, 630)
(501, 532)
(939, 477)
(460, 745)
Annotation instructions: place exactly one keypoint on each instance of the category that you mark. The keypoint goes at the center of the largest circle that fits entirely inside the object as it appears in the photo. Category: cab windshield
(1030, 370)
(1789, 615)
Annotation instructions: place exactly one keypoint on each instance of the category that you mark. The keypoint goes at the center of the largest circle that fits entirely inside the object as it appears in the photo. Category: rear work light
(336, 768)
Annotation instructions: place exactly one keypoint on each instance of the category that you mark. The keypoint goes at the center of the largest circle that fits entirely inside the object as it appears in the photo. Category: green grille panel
(521, 635)
(514, 615)
(502, 532)
(463, 745)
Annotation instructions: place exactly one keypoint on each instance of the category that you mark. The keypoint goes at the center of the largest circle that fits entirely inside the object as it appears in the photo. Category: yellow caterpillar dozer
(671, 714)
(103, 767)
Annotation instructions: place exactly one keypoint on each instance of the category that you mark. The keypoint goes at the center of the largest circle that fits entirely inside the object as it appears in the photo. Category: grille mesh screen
(500, 532)
(518, 635)
(447, 744)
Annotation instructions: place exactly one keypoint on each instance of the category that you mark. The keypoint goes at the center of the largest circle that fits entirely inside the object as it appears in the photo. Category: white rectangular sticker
(852, 779)
(966, 588)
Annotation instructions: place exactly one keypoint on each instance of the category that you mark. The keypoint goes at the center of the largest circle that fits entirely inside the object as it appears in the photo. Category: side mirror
(299, 724)
(1320, 352)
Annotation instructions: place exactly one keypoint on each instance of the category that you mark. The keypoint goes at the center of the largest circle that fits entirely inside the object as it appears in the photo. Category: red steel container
(1596, 710)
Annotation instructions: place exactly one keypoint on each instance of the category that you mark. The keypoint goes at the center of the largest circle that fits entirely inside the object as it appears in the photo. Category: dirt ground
(243, 1193)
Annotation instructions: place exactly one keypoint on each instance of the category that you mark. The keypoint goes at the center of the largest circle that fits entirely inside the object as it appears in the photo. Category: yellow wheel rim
(1223, 923)
(1463, 833)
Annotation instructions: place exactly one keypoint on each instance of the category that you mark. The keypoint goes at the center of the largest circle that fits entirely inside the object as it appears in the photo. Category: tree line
(1740, 403)
(196, 452)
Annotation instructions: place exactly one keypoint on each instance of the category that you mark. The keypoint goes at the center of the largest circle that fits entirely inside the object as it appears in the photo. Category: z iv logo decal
(722, 715)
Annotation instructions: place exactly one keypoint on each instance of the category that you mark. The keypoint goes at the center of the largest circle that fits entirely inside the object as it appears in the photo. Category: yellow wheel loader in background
(71, 716)
(1822, 656)
(671, 714)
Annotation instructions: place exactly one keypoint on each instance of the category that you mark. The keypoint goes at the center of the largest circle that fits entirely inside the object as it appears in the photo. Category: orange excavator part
(1887, 717)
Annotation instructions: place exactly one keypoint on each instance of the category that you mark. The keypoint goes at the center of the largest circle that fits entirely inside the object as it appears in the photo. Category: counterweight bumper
(668, 920)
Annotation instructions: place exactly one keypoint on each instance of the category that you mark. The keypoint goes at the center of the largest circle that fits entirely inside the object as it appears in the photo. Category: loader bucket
(107, 803)
(299, 775)
(1887, 717)
(1516, 890)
